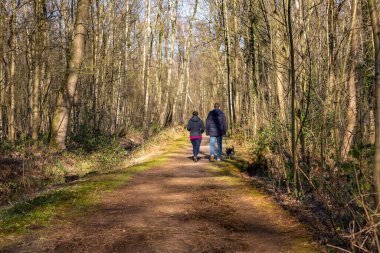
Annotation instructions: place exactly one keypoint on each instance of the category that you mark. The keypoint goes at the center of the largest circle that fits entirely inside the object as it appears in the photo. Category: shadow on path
(180, 206)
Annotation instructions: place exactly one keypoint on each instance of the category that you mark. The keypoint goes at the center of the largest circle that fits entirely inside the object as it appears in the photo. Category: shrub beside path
(178, 206)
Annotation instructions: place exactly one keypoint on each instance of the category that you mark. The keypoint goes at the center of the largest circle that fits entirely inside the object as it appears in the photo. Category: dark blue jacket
(195, 126)
(216, 123)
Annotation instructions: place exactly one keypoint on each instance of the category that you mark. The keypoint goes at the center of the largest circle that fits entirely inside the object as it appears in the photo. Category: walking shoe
(195, 159)
(211, 158)
(218, 159)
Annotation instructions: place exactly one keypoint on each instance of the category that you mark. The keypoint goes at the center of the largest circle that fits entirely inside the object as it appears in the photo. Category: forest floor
(173, 206)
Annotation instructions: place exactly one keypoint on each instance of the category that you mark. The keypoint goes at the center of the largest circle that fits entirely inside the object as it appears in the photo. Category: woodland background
(296, 79)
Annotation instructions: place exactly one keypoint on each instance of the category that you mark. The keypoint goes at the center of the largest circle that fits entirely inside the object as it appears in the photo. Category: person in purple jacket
(216, 127)
(196, 128)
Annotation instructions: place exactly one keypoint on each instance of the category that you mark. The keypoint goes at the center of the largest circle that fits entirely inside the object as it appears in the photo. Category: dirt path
(181, 206)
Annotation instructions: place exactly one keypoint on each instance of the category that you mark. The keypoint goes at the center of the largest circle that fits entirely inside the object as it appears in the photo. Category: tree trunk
(351, 110)
(187, 63)
(236, 61)
(252, 57)
(46, 88)
(2, 75)
(159, 28)
(29, 60)
(126, 53)
(62, 114)
(177, 95)
(293, 95)
(376, 42)
(158, 99)
(227, 43)
(278, 61)
(12, 74)
(329, 91)
(331, 43)
(173, 18)
(39, 40)
(94, 70)
(146, 62)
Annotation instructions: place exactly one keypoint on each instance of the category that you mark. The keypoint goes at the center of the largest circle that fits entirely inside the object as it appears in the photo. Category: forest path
(180, 206)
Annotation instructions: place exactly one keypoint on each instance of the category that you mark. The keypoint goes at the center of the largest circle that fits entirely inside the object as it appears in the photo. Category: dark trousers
(196, 145)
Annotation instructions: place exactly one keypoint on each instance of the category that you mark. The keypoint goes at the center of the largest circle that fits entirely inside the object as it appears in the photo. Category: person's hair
(195, 113)
(216, 105)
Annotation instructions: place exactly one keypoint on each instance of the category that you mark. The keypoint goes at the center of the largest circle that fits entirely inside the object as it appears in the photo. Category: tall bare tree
(351, 83)
(146, 60)
(12, 43)
(173, 10)
(227, 43)
(2, 69)
(127, 85)
(293, 93)
(40, 13)
(235, 81)
(62, 113)
(189, 43)
(376, 43)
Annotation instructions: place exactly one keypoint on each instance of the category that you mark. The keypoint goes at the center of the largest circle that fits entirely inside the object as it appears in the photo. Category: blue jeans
(219, 140)
(196, 145)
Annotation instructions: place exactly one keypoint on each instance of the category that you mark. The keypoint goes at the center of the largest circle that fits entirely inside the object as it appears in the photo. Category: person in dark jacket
(196, 128)
(216, 127)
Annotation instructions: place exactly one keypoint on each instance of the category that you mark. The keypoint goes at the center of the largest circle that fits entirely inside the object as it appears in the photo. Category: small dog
(230, 151)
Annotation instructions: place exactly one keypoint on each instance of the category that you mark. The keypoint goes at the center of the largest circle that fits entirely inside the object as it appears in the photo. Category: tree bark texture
(351, 83)
(62, 114)
(146, 61)
(40, 12)
(2, 71)
(12, 74)
(376, 42)
(173, 19)
(227, 43)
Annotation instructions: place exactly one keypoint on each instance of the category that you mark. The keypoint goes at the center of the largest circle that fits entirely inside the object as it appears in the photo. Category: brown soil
(180, 206)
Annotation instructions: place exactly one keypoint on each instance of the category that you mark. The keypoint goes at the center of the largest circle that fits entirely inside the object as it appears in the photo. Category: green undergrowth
(38, 167)
(72, 199)
(81, 163)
